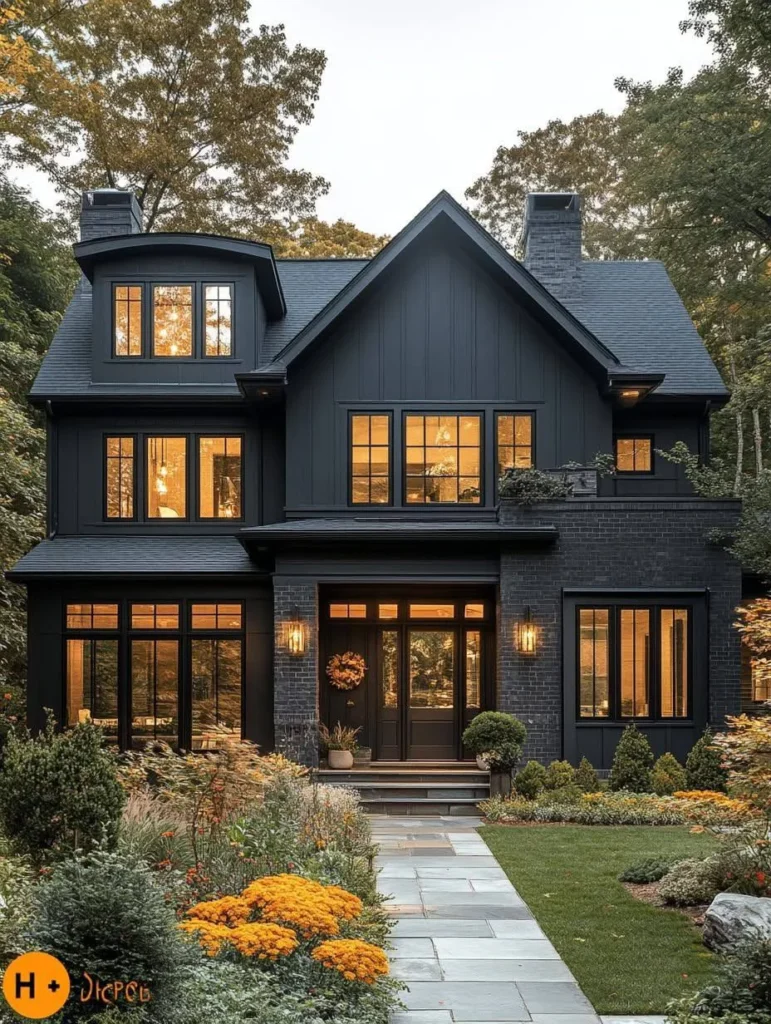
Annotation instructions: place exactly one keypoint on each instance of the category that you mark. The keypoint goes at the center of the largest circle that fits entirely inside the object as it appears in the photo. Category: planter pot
(340, 759)
(482, 765)
(500, 783)
(363, 755)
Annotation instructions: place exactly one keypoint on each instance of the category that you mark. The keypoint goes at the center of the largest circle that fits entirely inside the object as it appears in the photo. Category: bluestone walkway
(464, 941)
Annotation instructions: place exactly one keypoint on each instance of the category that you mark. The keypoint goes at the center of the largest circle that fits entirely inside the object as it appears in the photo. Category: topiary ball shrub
(643, 872)
(586, 777)
(531, 780)
(668, 776)
(497, 737)
(632, 762)
(559, 774)
(105, 914)
(703, 766)
(59, 792)
(690, 882)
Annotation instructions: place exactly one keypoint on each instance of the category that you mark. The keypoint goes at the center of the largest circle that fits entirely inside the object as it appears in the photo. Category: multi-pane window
(514, 439)
(91, 666)
(166, 477)
(127, 320)
(634, 455)
(154, 691)
(216, 616)
(218, 320)
(633, 662)
(370, 459)
(443, 459)
(348, 611)
(119, 475)
(219, 477)
(172, 320)
(155, 616)
(92, 616)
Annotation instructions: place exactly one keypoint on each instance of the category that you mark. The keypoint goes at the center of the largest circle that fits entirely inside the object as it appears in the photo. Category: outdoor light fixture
(295, 634)
(526, 634)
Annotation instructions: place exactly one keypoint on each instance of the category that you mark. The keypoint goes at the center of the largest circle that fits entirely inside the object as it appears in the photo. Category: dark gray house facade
(256, 465)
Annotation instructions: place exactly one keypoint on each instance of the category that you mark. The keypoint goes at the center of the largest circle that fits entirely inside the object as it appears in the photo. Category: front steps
(414, 787)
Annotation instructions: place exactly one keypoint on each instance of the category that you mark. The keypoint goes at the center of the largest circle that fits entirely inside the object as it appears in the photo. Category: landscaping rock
(732, 917)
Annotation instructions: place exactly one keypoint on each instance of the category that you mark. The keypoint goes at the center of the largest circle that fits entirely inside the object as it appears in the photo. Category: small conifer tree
(632, 762)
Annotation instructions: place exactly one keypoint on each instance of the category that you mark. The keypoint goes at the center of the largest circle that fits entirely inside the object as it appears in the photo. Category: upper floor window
(633, 662)
(514, 441)
(166, 477)
(370, 459)
(173, 320)
(634, 455)
(443, 457)
(218, 313)
(119, 474)
(127, 302)
(219, 477)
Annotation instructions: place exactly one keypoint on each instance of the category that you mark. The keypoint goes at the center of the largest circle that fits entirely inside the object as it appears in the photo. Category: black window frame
(195, 320)
(371, 504)
(497, 413)
(633, 436)
(136, 459)
(146, 436)
(458, 414)
(114, 285)
(201, 338)
(654, 607)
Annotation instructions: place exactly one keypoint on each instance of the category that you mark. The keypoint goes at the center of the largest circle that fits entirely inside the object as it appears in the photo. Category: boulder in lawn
(733, 918)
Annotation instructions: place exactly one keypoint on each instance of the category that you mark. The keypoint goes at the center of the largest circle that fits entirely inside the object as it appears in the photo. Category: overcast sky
(418, 94)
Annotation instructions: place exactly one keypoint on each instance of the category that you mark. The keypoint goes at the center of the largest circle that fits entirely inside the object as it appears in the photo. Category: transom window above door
(443, 459)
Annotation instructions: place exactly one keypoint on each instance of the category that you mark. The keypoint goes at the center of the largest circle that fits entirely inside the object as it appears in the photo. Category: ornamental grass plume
(354, 959)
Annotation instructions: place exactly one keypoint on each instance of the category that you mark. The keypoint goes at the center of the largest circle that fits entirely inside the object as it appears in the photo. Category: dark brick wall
(295, 700)
(553, 249)
(614, 544)
(112, 219)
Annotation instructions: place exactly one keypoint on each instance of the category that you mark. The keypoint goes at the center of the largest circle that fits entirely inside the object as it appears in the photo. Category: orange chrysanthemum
(354, 959)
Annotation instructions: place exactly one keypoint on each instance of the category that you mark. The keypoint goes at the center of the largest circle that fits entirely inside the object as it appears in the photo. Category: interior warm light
(526, 634)
(295, 635)
(632, 393)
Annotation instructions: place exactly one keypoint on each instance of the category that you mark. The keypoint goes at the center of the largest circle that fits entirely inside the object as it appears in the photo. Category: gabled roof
(444, 209)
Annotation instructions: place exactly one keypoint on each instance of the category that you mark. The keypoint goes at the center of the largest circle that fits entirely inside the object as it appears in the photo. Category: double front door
(428, 673)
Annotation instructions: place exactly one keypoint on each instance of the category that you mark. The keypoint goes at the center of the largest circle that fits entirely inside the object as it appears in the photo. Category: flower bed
(621, 808)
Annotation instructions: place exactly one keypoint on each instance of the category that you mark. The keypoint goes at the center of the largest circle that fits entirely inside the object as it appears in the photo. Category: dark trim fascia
(443, 205)
(111, 574)
(262, 384)
(266, 538)
(636, 591)
(231, 399)
(88, 254)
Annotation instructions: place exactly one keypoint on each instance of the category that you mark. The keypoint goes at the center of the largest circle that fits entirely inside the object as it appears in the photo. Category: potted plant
(339, 743)
(497, 738)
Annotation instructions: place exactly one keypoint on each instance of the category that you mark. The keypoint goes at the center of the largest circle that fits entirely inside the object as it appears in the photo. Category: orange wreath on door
(346, 671)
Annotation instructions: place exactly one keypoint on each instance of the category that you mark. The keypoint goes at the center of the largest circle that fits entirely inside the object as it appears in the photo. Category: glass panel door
(432, 686)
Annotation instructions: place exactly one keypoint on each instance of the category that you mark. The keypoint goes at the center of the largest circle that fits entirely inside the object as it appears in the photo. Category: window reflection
(173, 320)
(634, 455)
(128, 320)
(635, 662)
(219, 477)
(473, 668)
(515, 441)
(120, 477)
(389, 661)
(218, 310)
(674, 662)
(216, 691)
(92, 683)
(432, 668)
(370, 460)
(594, 680)
(154, 691)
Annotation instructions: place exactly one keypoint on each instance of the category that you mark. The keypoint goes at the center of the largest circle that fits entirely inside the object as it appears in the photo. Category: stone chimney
(109, 211)
(551, 233)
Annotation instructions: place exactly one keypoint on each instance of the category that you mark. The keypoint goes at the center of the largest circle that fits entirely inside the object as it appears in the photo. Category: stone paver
(464, 941)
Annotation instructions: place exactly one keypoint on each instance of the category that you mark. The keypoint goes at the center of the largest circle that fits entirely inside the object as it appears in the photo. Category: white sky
(418, 94)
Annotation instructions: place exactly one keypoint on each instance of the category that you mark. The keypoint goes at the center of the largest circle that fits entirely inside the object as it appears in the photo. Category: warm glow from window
(215, 676)
(634, 455)
(370, 460)
(218, 330)
(173, 320)
(92, 683)
(673, 627)
(216, 616)
(388, 611)
(155, 616)
(761, 680)
(119, 473)
(432, 668)
(348, 611)
(443, 456)
(593, 663)
(219, 477)
(474, 611)
(92, 616)
(473, 668)
(432, 611)
(166, 477)
(635, 634)
(154, 691)
(128, 320)
(515, 441)
(389, 668)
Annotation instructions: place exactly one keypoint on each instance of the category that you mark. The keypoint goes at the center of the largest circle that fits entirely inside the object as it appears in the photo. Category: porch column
(295, 699)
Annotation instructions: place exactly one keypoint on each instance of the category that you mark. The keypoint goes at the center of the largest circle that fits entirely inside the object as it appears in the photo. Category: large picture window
(219, 477)
(370, 459)
(166, 477)
(443, 459)
(172, 320)
(633, 662)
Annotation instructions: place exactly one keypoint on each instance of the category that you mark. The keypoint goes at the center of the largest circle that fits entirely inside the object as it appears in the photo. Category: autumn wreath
(346, 671)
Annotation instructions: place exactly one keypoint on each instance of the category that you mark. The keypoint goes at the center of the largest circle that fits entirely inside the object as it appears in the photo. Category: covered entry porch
(429, 657)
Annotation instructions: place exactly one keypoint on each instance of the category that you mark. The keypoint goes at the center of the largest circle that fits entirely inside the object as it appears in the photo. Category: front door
(431, 694)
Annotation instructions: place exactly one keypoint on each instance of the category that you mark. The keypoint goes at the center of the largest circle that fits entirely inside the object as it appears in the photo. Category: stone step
(421, 805)
(420, 792)
(359, 777)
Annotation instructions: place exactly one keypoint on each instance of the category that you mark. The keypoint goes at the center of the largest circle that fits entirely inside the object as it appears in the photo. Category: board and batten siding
(437, 333)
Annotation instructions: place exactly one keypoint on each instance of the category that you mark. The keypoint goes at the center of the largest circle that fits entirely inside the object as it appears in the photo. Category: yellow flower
(229, 910)
(354, 959)
(299, 902)
(263, 941)
(210, 936)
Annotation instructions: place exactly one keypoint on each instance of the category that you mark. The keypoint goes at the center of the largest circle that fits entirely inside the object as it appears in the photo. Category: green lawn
(627, 956)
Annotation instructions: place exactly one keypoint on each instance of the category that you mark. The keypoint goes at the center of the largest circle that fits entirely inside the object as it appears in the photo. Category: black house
(256, 464)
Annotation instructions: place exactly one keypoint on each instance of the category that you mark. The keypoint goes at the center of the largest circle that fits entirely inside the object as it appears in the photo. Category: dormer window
(218, 313)
(172, 320)
(127, 337)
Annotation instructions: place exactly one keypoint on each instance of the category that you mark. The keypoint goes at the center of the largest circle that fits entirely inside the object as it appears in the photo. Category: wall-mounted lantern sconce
(526, 635)
(295, 634)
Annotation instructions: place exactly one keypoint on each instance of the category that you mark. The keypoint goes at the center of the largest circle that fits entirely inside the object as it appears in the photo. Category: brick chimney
(109, 211)
(551, 233)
